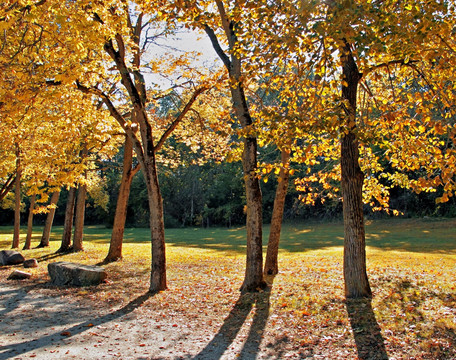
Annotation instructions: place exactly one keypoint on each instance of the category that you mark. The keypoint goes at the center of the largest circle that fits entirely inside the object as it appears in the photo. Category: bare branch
(218, 49)
(387, 64)
(179, 118)
(106, 100)
(7, 186)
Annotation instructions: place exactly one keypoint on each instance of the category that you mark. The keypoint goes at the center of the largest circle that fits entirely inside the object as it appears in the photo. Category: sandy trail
(36, 322)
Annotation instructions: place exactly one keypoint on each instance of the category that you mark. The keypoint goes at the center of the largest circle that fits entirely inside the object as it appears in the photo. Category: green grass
(414, 235)
(410, 263)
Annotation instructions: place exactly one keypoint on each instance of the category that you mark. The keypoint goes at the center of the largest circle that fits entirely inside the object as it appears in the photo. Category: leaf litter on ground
(412, 314)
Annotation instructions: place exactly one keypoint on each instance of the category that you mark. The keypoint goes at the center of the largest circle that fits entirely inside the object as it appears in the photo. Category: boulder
(30, 263)
(65, 273)
(11, 257)
(19, 275)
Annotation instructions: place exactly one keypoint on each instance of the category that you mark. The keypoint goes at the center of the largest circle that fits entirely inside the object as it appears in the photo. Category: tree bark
(79, 219)
(253, 279)
(49, 220)
(17, 206)
(158, 273)
(115, 246)
(355, 274)
(68, 224)
(271, 266)
(28, 239)
(80, 209)
(134, 83)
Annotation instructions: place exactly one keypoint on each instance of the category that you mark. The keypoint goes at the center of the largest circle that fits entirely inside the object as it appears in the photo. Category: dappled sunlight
(305, 231)
(305, 310)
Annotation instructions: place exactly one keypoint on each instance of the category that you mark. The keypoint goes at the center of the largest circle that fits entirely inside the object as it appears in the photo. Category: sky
(184, 41)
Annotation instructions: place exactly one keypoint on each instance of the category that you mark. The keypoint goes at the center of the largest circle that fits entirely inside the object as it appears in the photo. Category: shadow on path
(368, 338)
(15, 350)
(14, 297)
(233, 324)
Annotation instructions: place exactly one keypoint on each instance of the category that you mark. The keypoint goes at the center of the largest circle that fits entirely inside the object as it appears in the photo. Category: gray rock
(11, 257)
(19, 275)
(65, 273)
(31, 263)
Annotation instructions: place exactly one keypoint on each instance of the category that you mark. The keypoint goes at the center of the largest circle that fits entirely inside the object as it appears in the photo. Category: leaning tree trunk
(355, 275)
(115, 246)
(271, 266)
(79, 219)
(17, 206)
(49, 220)
(28, 239)
(65, 246)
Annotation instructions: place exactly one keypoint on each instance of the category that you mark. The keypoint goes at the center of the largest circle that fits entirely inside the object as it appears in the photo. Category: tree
(17, 192)
(271, 266)
(124, 48)
(28, 239)
(115, 245)
(374, 51)
(217, 20)
(65, 245)
(49, 220)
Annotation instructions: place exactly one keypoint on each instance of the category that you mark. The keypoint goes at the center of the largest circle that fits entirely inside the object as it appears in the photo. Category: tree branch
(7, 186)
(216, 45)
(387, 64)
(179, 118)
(106, 100)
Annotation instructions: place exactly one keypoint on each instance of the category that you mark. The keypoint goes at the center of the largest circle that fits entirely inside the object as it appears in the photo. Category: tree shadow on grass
(15, 350)
(233, 324)
(368, 338)
(51, 256)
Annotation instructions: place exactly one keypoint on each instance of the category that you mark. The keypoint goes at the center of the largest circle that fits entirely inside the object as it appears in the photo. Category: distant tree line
(212, 194)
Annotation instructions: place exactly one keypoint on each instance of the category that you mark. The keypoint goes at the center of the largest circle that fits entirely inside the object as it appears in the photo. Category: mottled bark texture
(355, 275)
(271, 265)
(28, 239)
(65, 245)
(115, 245)
(44, 242)
(253, 279)
(17, 205)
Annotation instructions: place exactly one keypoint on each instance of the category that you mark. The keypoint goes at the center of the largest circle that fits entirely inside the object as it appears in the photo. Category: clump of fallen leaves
(412, 314)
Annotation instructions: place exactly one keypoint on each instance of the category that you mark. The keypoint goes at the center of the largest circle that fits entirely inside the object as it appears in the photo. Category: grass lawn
(411, 267)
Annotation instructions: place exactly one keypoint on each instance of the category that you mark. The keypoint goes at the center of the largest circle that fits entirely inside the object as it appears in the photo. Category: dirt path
(36, 322)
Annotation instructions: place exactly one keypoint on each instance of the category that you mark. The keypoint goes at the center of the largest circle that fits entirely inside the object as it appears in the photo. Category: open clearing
(411, 267)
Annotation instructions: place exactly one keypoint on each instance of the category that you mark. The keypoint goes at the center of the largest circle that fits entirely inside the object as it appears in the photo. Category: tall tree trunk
(17, 206)
(133, 81)
(79, 219)
(271, 266)
(355, 275)
(28, 239)
(80, 209)
(253, 279)
(115, 246)
(65, 246)
(49, 220)
(157, 227)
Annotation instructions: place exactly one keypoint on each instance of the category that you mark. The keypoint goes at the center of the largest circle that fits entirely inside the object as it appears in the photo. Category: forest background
(213, 195)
